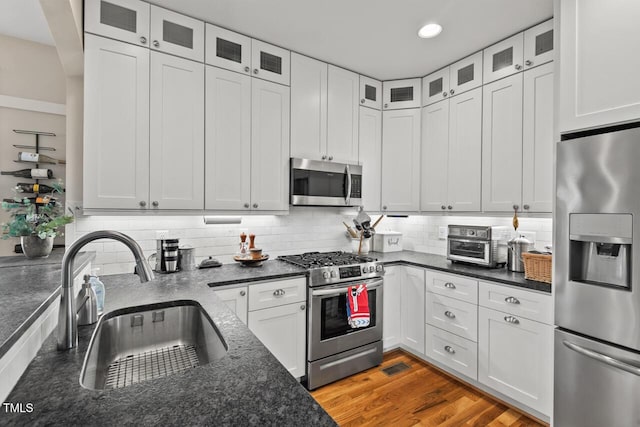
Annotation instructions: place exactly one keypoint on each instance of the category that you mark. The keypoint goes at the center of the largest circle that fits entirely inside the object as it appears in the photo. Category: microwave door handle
(347, 197)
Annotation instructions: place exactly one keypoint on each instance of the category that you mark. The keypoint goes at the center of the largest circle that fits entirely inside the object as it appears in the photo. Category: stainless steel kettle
(517, 246)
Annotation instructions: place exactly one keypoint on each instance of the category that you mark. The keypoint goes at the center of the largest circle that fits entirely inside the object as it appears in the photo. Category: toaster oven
(478, 244)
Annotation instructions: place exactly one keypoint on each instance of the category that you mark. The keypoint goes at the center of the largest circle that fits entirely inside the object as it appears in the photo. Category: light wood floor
(421, 395)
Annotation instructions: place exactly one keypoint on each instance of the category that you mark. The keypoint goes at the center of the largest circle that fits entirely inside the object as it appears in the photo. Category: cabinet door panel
(457, 287)
(449, 314)
(308, 107)
(126, 20)
(509, 299)
(342, 115)
(502, 144)
(398, 94)
(538, 44)
(236, 300)
(177, 34)
(228, 140)
(370, 156)
(537, 140)
(264, 295)
(283, 331)
(435, 156)
(270, 62)
(413, 305)
(504, 58)
(177, 133)
(370, 93)
(227, 49)
(435, 87)
(116, 125)
(465, 151)
(401, 160)
(453, 351)
(392, 308)
(465, 74)
(269, 146)
(515, 357)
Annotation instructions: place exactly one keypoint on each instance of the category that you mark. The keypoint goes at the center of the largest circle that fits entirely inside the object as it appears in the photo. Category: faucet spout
(67, 323)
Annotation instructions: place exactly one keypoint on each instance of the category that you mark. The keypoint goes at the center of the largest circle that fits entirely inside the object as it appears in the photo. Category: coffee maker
(167, 255)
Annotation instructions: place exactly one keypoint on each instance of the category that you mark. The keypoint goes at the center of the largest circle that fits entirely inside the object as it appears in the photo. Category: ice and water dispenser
(600, 249)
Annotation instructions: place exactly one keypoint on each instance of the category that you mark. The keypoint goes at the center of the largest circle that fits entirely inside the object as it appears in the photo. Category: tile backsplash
(303, 230)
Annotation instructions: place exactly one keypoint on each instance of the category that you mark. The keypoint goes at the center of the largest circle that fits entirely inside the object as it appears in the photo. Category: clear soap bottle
(98, 288)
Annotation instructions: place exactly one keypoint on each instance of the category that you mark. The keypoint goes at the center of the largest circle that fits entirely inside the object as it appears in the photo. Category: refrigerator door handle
(608, 360)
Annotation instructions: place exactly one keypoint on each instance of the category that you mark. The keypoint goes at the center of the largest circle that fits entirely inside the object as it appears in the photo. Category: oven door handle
(481, 241)
(607, 360)
(373, 284)
(347, 197)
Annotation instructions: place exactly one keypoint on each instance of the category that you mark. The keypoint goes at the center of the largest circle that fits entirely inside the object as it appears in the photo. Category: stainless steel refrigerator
(597, 281)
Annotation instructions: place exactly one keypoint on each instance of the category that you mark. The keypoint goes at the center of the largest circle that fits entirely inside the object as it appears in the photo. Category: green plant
(34, 219)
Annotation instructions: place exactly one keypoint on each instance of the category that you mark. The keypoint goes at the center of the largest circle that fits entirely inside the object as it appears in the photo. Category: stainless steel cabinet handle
(246, 205)
(518, 67)
(255, 205)
(452, 91)
(511, 319)
(443, 207)
(247, 69)
(449, 349)
(449, 314)
(324, 157)
(608, 360)
(449, 285)
(362, 101)
(384, 208)
(255, 71)
(143, 40)
(449, 207)
(143, 203)
(444, 94)
(155, 204)
(156, 43)
(330, 158)
(279, 292)
(243, 293)
(516, 207)
(526, 207)
(528, 63)
(512, 300)
(302, 307)
(386, 105)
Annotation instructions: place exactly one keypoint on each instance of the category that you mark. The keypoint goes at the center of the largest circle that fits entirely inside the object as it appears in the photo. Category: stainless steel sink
(137, 344)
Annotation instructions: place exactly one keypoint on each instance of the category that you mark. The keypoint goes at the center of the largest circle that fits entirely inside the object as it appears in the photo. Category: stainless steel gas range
(334, 349)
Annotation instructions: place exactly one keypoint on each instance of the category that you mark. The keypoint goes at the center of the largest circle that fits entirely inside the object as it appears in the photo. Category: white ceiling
(373, 37)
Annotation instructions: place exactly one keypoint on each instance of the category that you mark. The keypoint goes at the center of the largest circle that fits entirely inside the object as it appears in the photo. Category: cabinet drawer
(451, 350)
(272, 294)
(452, 315)
(534, 306)
(453, 286)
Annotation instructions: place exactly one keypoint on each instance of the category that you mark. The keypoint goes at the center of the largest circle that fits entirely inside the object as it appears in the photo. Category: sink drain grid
(152, 364)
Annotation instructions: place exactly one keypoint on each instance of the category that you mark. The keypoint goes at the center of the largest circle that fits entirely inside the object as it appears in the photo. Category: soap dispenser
(87, 304)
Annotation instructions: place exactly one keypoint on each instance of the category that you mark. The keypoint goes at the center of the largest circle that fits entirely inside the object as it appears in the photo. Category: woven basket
(537, 267)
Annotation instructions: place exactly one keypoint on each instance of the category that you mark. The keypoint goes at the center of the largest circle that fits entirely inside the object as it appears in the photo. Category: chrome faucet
(67, 322)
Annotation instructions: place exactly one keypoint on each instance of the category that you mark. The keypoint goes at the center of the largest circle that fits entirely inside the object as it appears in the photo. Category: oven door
(468, 250)
(315, 183)
(329, 330)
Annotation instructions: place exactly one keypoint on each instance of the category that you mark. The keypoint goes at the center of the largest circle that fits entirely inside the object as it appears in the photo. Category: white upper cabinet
(176, 152)
(125, 20)
(177, 34)
(370, 157)
(227, 49)
(401, 160)
(370, 93)
(397, 94)
(435, 86)
(308, 107)
(269, 146)
(599, 82)
(116, 125)
(538, 44)
(537, 140)
(435, 156)
(502, 144)
(465, 74)
(503, 58)
(342, 115)
(270, 62)
(228, 136)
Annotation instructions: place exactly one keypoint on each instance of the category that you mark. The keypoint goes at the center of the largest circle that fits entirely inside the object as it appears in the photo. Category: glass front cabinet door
(227, 49)
(269, 62)
(398, 94)
(465, 74)
(538, 44)
(435, 87)
(504, 58)
(370, 93)
(124, 20)
(177, 34)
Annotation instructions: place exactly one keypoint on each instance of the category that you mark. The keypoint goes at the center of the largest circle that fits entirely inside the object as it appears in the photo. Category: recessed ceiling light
(429, 30)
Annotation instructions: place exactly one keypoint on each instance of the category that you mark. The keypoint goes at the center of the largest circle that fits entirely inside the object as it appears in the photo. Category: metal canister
(517, 246)
(187, 258)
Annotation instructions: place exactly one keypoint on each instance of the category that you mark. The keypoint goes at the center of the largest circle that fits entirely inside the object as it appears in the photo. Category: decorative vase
(34, 247)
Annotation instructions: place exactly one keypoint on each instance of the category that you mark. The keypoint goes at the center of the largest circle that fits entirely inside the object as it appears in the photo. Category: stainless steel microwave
(323, 183)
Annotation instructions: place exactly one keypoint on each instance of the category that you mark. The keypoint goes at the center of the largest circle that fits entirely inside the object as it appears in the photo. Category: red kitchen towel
(358, 306)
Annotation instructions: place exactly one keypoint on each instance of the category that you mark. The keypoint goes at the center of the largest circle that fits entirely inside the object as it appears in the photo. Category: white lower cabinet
(412, 308)
(236, 300)
(456, 317)
(392, 307)
(515, 357)
(452, 351)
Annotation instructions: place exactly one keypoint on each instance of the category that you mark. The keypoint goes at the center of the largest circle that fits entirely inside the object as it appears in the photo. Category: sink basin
(137, 344)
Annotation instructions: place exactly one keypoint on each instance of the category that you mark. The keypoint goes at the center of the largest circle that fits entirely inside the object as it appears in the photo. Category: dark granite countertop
(246, 387)
(439, 262)
(27, 288)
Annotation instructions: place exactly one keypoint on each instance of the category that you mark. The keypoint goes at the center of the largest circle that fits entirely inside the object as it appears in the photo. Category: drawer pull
(278, 292)
(449, 285)
(511, 319)
(449, 314)
(512, 300)
(449, 349)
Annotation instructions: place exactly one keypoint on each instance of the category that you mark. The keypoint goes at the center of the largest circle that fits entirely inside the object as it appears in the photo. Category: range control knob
(372, 269)
(364, 270)
(334, 273)
(326, 275)
(378, 268)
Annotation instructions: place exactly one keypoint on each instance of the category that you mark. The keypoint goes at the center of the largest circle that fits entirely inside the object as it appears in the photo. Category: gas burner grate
(325, 259)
